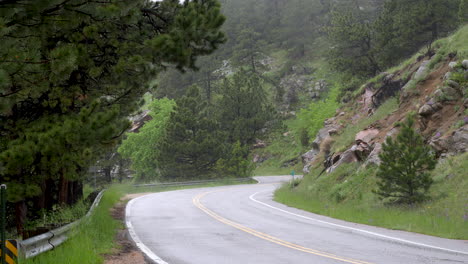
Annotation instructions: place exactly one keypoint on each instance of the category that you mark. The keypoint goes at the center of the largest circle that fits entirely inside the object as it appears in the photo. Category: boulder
(465, 64)
(439, 96)
(362, 150)
(453, 84)
(454, 144)
(459, 140)
(259, 144)
(308, 158)
(447, 76)
(347, 157)
(465, 103)
(450, 93)
(367, 135)
(453, 64)
(259, 158)
(426, 110)
(422, 70)
(373, 158)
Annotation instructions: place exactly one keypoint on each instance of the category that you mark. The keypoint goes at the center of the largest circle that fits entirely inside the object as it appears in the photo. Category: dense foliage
(142, 148)
(192, 143)
(366, 43)
(71, 71)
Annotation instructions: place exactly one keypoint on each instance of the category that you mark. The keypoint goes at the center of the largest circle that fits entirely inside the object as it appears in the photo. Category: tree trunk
(121, 170)
(63, 191)
(20, 211)
(75, 189)
(107, 174)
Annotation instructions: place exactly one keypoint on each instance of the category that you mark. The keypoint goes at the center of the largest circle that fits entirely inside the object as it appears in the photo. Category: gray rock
(373, 158)
(453, 64)
(362, 150)
(465, 103)
(451, 145)
(347, 157)
(459, 140)
(259, 144)
(447, 76)
(439, 96)
(422, 70)
(453, 84)
(259, 158)
(366, 136)
(426, 110)
(450, 93)
(465, 64)
(309, 156)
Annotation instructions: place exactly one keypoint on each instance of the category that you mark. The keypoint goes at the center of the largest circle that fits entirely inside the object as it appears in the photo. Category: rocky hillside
(340, 168)
(432, 87)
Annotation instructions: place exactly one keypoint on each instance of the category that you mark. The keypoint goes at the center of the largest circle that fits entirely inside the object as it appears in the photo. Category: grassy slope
(347, 192)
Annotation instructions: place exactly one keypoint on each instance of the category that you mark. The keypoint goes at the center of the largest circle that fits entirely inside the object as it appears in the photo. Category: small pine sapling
(404, 171)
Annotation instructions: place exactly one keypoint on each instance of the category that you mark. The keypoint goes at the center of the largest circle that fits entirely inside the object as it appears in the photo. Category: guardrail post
(3, 220)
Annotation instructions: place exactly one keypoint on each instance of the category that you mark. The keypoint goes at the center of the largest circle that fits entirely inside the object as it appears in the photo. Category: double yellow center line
(197, 203)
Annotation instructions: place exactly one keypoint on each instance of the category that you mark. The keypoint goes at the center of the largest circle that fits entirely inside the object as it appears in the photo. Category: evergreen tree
(236, 163)
(463, 12)
(403, 172)
(244, 108)
(405, 26)
(352, 44)
(193, 143)
(70, 74)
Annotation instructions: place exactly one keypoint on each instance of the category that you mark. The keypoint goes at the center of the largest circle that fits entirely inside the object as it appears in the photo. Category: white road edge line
(251, 197)
(150, 254)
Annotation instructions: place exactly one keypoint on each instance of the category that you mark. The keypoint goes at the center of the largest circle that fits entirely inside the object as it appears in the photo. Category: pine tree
(244, 108)
(236, 163)
(193, 143)
(463, 12)
(70, 74)
(352, 44)
(404, 170)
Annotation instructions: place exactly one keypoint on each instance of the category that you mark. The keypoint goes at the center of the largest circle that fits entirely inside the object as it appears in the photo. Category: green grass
(95, 236)
(280, 149)
(347, 194)
(346, 138)
(92, 238)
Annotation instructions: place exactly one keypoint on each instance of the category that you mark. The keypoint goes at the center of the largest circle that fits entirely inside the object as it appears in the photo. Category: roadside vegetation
(95, 236)
(347, 193)
(351, 191)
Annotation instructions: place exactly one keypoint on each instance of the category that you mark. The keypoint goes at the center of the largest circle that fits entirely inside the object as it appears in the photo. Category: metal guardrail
(188, 183)
(38, 244)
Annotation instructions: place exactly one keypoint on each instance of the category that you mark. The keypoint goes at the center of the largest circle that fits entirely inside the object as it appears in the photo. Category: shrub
(406, 161)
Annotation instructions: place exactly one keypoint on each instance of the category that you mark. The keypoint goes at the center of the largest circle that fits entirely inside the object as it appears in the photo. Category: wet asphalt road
(241, 224)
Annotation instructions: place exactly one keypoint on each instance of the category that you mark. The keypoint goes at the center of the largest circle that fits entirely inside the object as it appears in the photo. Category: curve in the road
(197, 203)
(252, 197)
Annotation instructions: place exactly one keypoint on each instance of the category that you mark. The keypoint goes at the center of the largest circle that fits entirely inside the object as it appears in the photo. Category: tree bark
(75, 192)
(63, 191)
(107, 174)
(20, 210)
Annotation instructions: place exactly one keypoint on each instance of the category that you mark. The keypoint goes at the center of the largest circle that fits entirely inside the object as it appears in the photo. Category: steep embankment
(343, 162)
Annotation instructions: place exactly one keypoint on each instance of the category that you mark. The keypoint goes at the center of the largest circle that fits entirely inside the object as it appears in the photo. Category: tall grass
(92, 238)
(347, 194)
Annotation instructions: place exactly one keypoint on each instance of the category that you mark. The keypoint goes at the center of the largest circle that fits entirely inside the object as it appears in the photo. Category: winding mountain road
(241, 224)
